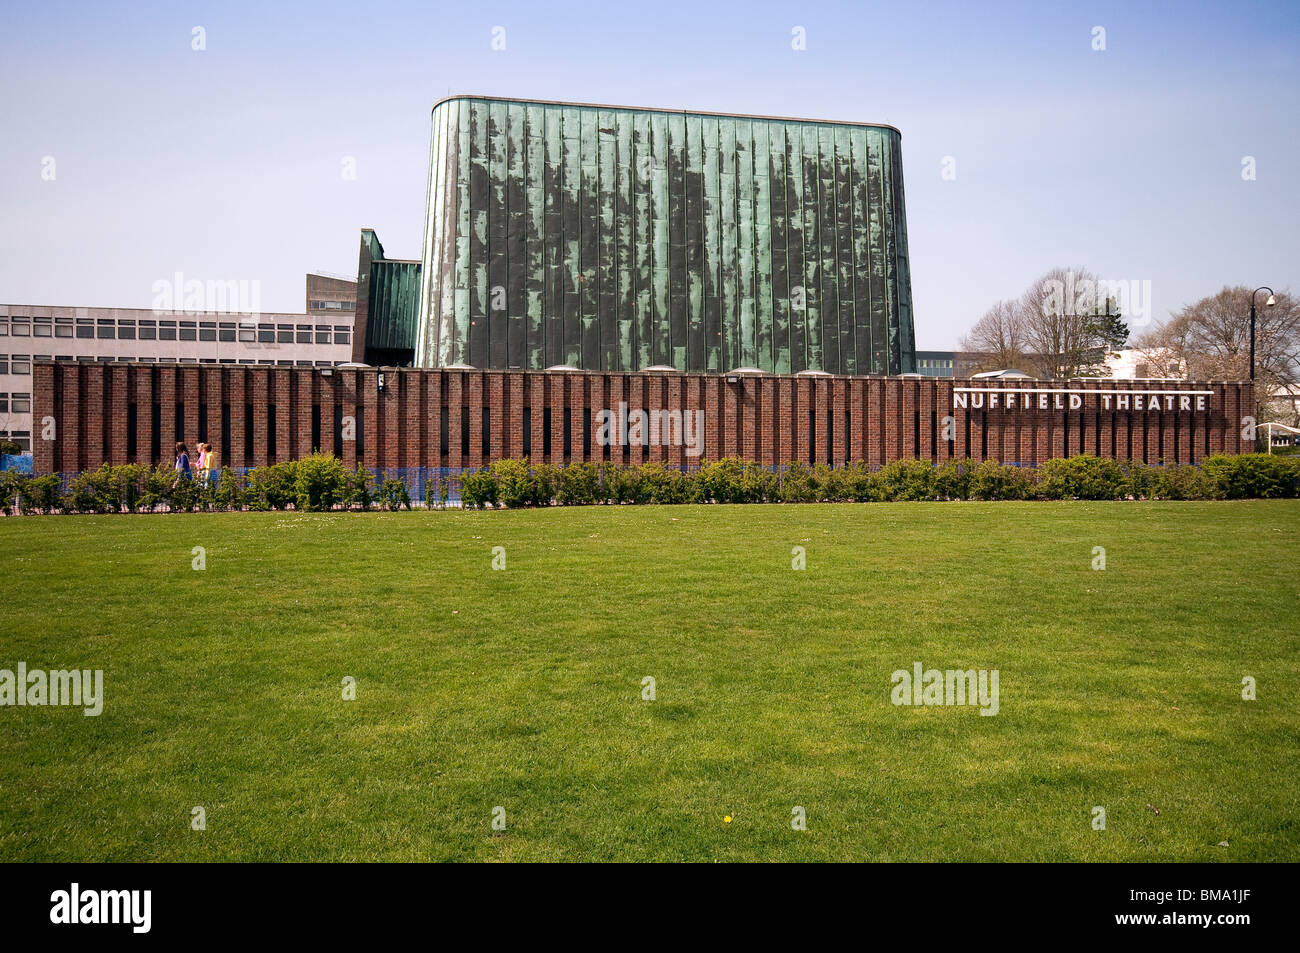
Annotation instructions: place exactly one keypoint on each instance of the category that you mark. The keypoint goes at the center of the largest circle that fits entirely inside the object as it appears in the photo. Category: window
(126, 330)
(304, 334)
(148, 330)
(20, 327)
(188, 331)
(104, 329)
(266, 333)
(248, 335)
(226, 331)
(322, 334)
(4, 403)
(4, 363)
(24, 440)
(4, 327)
(42, 328)
(20, 364)
(63, 327)
(284, 333)
(166, 330)
(342, 335)
(207, 330)
(85, 328)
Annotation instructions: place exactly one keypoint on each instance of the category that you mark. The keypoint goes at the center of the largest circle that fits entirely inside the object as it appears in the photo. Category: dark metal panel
(763, 357)
(780, 240)
(497, 299)
(812, 249)
(829, 267)
(794, 255)
(535, 234)
(694, 243)
(847, 360)
(571, 236)
(588, 270)
(607, 254)
(516, 241)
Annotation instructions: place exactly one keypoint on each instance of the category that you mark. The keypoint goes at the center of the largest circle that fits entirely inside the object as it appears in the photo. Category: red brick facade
(134, 413)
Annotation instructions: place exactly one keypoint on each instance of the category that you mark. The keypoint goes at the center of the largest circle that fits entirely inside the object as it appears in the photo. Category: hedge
(514, 483)
(321, 482)
(318, 482)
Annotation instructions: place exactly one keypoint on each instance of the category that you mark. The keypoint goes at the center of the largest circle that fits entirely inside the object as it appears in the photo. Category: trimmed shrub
(579, 485)
(732, 480)
(516, 483)
(479, 489)
(10, 480)
(952, 481)
(990, 480)
(360, 488)
(94, 491)
(796, 484)
(231, 491)
(272, 487)
(1177, 481)
(660, 484)
(905, 480)
(1252, 475)
(40, 494)
(1139, 480)
(319, 482)
(394, 495)
(1083, 477)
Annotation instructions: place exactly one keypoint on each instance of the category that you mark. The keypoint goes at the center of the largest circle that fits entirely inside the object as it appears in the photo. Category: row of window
(21, 437)
(22, 363)
(153, 329)
(331, 305)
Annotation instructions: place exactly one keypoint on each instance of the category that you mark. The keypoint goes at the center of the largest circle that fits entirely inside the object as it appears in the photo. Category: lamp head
(1270, 302)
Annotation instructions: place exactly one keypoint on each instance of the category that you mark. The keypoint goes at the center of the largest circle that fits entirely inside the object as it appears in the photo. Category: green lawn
(522, 689)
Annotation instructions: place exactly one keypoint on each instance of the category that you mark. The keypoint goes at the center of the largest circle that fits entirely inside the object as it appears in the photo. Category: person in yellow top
(209, 464)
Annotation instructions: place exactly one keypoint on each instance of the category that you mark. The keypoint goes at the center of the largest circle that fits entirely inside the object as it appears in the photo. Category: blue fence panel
(21, 462)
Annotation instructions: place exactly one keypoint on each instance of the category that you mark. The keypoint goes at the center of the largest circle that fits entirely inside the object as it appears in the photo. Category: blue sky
(226, 163)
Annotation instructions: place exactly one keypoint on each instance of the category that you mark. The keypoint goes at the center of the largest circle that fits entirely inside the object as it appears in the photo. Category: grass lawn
(523, 689)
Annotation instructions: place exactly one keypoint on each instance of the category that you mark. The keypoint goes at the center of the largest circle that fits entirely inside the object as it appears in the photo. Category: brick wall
(771, 419)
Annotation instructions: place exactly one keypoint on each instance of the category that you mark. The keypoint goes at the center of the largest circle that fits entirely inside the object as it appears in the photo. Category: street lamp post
(1268, 304)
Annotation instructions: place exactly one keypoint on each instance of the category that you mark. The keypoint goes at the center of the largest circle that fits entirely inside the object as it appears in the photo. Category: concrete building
(322, 336)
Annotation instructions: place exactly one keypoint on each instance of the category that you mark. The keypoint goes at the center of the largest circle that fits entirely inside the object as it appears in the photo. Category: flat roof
(659, 109)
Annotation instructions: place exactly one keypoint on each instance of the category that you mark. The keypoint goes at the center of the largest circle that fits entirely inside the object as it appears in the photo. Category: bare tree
(1071, 324)
(1211, 341)
(997, 340)
(1062, 326)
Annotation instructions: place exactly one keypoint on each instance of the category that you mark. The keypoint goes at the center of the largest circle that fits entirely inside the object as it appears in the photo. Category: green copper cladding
(616, 239)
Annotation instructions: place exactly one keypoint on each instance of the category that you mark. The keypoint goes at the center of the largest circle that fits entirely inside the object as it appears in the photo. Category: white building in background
(320, 337)
(1132, 364)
